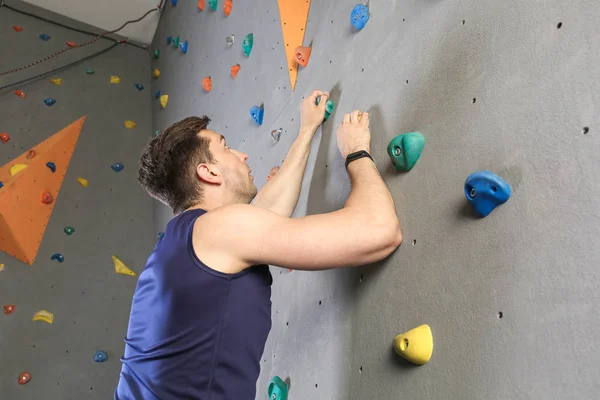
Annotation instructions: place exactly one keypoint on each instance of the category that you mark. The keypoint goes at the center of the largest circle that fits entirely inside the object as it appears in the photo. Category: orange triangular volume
(23, 216)
(294, 14)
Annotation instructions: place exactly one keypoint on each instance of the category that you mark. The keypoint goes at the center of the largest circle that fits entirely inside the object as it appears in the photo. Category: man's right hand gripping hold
(366, 230)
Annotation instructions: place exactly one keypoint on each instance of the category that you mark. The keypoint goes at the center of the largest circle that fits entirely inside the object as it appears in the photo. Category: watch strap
(356, 156)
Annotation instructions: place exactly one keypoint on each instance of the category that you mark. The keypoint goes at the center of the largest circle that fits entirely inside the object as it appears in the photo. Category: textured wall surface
(501, 86)
(111, 216)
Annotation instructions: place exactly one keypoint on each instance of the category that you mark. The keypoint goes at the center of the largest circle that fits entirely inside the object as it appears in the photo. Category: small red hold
(30, 154)
(24, 378)
(234, 70)
(5, 137)
(71, 44)
(18, 28)
(9, 308)
(227, 8)
(47, 198)
(302, 55)
(207, 83)
(20, 93)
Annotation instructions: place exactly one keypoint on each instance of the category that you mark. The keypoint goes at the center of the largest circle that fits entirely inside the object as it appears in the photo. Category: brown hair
(168, 163)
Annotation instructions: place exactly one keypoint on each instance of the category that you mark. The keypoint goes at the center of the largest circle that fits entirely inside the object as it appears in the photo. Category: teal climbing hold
(213, 4)
(156, 133)
(329, 106)
(247, 44)
(161, 234)
(176, 41)
(90, 71)
(405, 150)
(69, 230)
(100, 356)
(278, 390)
(156, 53)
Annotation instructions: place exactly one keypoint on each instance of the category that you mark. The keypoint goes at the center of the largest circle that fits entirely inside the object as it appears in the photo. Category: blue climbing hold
(117, 167)
(359, 16)
(158, 94)
(1, 185)
(161, 234)
(174, 3)
(100, 356)
(49, 101)
(486, 191)
(51, 165)
(139, 86)
(257, 114)
(45, 37)
(169, 38)
(184, 47)
(58, 256)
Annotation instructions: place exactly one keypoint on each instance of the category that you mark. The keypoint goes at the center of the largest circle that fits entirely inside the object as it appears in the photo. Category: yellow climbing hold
(1, 267)
(15, 169)
(164, 100)
(115, 79)
(83, 182)
(121, 268)
(130, 124)
(56, 81)
(156, 72)
(415, 345)
(44, 315)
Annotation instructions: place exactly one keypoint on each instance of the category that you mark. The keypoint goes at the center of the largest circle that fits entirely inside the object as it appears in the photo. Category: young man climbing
(201, 311)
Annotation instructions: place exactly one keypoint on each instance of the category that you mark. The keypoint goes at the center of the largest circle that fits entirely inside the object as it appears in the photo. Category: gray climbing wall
(508, 87)
(111, 216)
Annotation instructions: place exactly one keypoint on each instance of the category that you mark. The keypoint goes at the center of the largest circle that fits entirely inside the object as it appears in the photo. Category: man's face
(231, 164)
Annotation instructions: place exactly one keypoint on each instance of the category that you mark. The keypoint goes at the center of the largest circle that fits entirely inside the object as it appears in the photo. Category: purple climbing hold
(117, 167)
(139, 86)
(184, 47)
(49, 101)
(45, 37)
(57, 256)
(51, 165)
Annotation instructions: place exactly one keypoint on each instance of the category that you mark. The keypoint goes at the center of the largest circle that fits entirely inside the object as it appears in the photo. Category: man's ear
(209, 173)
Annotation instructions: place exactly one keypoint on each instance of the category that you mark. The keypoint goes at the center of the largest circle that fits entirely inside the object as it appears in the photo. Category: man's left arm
(281, 193)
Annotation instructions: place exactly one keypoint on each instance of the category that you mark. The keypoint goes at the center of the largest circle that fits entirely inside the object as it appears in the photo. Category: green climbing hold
(405, 150)
(213, 4)
(156, 53)
(176, 42)
(156, 133)
(329, 106)
(90, 71)
(69, 230)
(278, 390)
(247, 44)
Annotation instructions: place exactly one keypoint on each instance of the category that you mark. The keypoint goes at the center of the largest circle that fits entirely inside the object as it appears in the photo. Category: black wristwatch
(355, 156)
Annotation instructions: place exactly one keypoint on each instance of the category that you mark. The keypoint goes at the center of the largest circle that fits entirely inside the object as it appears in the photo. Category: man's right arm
(366, 230)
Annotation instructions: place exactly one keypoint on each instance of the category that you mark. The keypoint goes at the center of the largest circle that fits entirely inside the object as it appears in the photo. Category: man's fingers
(323, 102)
(313, 96)
(346, 118)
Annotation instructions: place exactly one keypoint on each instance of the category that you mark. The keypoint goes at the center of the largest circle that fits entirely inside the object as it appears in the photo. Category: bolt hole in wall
(414, 242)
(360, 370)
(474, 100)
(585, 130)
(500, 314)
(559, 25)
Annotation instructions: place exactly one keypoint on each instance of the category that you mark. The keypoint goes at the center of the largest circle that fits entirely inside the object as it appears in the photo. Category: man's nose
(241, 156)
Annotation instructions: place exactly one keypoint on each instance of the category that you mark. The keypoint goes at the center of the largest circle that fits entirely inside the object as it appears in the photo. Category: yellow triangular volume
(415, 345)
(164, 99)
(121, 268)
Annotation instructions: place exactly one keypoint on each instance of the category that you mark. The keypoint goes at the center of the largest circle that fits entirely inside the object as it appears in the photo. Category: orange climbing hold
(71, 44)
(9, 308)
(293, 15)
(207, 84)
(23, 217)
(24, 378)
(30, 154)
(5, 137)
(227, 7)
(234, 70)
(201, 5)
(18, 28)
(302, 55)
(20, 93)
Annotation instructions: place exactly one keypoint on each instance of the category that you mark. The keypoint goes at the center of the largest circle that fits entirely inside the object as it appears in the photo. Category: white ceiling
(109, 14)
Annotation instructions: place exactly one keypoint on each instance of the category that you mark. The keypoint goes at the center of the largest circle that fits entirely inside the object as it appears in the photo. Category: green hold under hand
(213, 4)
(69, 230)
(329, 106)
(405, 150)
(278, 389)
(176, 42)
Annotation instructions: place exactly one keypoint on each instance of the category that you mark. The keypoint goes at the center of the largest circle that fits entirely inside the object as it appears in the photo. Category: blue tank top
(194, 333)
